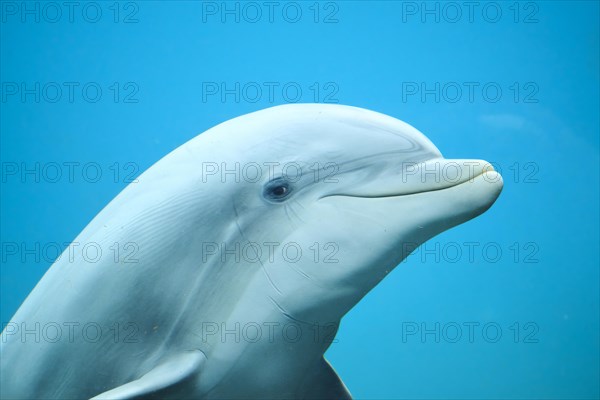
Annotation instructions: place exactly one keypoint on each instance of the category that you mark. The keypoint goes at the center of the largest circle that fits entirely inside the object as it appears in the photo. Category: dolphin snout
(441, 173)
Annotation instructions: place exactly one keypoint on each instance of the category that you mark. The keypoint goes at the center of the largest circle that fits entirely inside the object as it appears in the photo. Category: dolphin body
(240, 252)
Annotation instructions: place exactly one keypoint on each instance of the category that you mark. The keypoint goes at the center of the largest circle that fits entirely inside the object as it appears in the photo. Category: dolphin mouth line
(366, 196)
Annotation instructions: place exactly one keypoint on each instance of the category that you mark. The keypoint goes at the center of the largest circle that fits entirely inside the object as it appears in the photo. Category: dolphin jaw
(373, 190)
(490, 176)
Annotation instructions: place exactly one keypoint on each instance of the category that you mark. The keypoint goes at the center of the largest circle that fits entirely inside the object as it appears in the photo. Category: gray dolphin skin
(224, 271)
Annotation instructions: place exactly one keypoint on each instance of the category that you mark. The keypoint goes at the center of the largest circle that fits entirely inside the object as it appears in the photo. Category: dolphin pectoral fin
(325, 384)
(164, 376)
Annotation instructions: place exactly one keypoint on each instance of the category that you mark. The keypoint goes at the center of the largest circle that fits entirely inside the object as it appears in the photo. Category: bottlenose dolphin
(224, 271)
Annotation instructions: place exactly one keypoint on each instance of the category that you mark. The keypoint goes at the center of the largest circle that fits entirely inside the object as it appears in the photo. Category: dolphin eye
(277, 190)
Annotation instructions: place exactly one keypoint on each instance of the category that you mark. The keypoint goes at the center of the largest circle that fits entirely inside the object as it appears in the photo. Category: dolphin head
(331, 198)
(294, 211)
